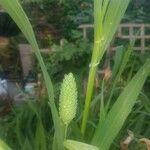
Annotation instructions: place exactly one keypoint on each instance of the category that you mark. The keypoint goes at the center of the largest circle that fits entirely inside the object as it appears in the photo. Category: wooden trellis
(128, 32)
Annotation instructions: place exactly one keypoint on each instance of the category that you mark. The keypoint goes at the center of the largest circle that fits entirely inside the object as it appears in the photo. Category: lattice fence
(128, 32)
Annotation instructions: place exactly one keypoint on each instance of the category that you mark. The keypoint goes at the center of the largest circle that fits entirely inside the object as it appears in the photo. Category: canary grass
(68, 99)
(107, 16)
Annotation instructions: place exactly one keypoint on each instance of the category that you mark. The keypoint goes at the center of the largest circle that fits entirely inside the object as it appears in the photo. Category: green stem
(90, 86)
(88, 99)
(66, 128)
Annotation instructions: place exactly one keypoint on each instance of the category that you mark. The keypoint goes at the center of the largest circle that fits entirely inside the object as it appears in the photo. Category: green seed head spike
(68, 99)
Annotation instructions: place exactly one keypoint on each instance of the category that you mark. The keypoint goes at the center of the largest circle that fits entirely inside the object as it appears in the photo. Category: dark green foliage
(8, 27)
(138, 11)
(72, 57)
(63, 15)
(28, 126)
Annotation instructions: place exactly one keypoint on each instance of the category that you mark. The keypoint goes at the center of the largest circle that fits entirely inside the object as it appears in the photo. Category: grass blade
(107, 131)
(75, 145)
(27, 145)
(15, 10)
(4, 146)
(117, 60)
(124, 60)
(40, 139)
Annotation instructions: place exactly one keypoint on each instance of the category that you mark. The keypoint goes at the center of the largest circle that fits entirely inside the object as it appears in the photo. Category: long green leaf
(40, 137)
(4, 146)
(117, 60)
(108, 130)
(124, 60)
(75, 145)
(15, 10)
(114, 13)
(27, 145)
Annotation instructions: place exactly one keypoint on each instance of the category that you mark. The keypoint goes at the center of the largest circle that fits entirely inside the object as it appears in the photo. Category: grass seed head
(68, 99)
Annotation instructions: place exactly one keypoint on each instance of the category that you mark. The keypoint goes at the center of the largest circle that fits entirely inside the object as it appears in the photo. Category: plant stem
(66, 128)
(90, 86)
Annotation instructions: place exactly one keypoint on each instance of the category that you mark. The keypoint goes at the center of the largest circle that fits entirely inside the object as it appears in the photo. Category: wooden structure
(128, 32)
(27, 59)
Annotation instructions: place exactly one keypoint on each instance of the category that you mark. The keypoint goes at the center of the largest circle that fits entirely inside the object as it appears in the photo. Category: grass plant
(107, 16)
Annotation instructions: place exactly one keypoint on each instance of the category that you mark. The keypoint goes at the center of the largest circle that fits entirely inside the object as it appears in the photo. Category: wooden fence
(128, 32)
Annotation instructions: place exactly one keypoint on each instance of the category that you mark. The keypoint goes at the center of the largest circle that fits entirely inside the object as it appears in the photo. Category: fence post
(142, 38)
